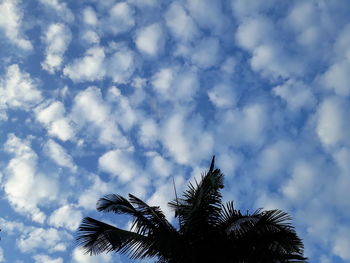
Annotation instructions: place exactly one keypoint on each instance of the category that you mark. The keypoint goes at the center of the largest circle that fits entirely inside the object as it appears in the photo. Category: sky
(100, 97)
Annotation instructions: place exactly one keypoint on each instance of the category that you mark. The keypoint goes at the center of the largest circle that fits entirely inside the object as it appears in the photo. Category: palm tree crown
(208, 231)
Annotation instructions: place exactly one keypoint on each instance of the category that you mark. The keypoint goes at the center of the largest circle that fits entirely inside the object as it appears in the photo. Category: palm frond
(96, 237)
(142, 224)
(152, 213)
(115, 203)
(262, 234)
(201, 202)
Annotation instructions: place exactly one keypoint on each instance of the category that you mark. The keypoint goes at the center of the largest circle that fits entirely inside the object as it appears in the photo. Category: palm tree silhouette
(208, 231)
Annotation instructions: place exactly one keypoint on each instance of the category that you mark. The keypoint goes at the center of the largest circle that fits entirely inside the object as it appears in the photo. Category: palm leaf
(120, 205)
(96, 237)
(148, 220)
(201, 202)
(263, 234)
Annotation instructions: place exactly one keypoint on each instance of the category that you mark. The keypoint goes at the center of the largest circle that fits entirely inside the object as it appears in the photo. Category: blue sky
(100, 97)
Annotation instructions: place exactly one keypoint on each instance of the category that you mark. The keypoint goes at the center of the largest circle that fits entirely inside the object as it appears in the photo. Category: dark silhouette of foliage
(209, 231)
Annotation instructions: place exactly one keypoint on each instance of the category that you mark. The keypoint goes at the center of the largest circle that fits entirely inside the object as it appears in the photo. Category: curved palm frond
(201, 202)
(96, 237)
(167, 238)
(153, 213)
(148, 221)
(263, 234)
(120, 205)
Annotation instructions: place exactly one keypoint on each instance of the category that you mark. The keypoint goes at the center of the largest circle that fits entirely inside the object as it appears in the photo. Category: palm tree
(208, 231)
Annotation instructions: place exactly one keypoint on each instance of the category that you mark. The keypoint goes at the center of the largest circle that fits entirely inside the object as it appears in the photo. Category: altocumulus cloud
(100, 97)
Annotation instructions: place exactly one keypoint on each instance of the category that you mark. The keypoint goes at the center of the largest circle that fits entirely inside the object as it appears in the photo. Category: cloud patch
(150, 39)
(25, 187)
(57, 38)
(53, 117)
(90, 67)
(18, 89)
(119, 163)
(181, 25)
(59, 155)
(41, 238)
(121, 18)
(90, 110)
(331, 126)
(66, 216)
(11, 23)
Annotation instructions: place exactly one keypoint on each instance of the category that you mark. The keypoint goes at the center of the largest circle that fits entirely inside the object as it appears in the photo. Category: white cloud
(274, 159)
(46, 259)
(121, 65)
(57, 39)
(148, 132)
(272, 61)
(262, 39)
(341, 180)
(302, 183)
(314, 208)
(342, 243)
(270, 201)
(52, 116)
(127, 116)
(297, 94)
(307, 24)
(24, 186)
(176, 84)
(91, 37)
(331, 126)
(11, 226)
(337, 78)
(325, 259)
(2, 257)
(11, 22)
(51, 112)
(342, 158)
(228, 162)
(66, 216)
(222, 95)
(90, 111)
(163, 79)
(245, 126)
(119, 163)
(180, 23)
(207, 53)
(40, 238)
(150, 39)
(88, 68)
(98, 188)
(90, 16)
(29, 239)
(60, 9)
(342, 45)
(251, 33)
(62, 129)
(59, 155)
(159, 165)
(78, 256)
(186, 139)
(208, 14)
(121, 18)
(90, 107)
(229, 65)
(18, 90)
